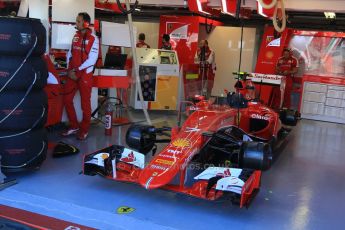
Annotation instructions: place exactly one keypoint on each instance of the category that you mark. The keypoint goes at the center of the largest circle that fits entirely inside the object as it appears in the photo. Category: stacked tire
(23, 103)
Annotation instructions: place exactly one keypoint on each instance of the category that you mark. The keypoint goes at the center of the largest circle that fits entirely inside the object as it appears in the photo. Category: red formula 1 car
(218, 152)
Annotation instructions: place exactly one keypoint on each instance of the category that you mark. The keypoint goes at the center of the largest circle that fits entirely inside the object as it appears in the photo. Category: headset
(86, 23)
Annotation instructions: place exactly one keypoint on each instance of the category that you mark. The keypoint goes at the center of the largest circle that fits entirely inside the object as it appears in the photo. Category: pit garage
(172, 115)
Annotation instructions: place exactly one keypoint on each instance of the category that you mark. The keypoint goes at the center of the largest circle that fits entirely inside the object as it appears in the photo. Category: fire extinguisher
(108, 119)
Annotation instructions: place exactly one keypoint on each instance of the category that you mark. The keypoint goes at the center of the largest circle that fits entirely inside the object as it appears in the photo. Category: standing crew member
(287, 65)
(205, 57)
(81, 59)
(142, 43)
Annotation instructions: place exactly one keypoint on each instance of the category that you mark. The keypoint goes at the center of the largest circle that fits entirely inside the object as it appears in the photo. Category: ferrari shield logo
(269, 39)
(125, 210)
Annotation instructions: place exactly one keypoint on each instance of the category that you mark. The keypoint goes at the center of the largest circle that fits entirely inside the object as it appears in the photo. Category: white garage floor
(303, 190)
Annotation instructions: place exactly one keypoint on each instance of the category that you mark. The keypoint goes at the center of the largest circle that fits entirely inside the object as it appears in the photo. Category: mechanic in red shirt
(287, 65)
(142, 43)
(81, 59)
(205, 55)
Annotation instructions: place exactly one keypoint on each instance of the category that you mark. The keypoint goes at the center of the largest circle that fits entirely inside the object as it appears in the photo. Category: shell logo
(181, 143)
(105, 156)
(269, 54)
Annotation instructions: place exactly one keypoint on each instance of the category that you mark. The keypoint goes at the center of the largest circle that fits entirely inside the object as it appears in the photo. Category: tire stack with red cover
(23, 103)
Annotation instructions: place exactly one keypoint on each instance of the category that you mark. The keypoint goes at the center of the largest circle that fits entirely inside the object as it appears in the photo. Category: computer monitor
(115, 61)
(165, 60)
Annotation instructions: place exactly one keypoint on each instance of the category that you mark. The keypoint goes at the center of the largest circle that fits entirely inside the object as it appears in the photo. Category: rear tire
(255, 155)
(18, 36)
(141, 138)
(33, 67)
(27, 114)
(289, 117)
(26, 151)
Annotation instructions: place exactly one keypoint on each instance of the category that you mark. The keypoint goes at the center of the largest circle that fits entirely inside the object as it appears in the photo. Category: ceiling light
(200, 7)
(224, 6)
(261, 10)
(330, 15)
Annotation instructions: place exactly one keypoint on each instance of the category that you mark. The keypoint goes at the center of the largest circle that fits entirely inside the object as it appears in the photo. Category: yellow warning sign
(181, 142)
(125, 210)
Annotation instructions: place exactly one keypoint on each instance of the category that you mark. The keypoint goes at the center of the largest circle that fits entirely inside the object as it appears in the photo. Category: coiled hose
(274, 3)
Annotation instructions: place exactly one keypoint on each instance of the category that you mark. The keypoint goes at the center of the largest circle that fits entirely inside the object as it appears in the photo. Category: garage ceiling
(293, 5)
(302, 14)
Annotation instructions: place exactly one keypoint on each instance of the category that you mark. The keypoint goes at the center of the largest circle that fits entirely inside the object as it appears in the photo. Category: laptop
(115, 61)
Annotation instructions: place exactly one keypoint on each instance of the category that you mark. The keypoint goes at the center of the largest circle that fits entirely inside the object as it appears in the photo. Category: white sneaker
(69, 132)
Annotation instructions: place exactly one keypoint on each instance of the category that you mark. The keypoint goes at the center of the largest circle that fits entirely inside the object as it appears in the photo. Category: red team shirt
(142, 44)
(288, 64)
(84, 51)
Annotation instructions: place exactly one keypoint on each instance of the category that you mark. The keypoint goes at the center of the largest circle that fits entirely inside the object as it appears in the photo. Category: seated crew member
(166, 45)
(141, 43)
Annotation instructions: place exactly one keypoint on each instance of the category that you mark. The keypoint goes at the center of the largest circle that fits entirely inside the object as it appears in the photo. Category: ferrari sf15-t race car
(218, 152)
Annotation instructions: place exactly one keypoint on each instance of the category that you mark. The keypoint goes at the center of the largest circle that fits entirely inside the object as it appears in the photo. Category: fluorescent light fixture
(198, 3)
(261, 10)
(225, 8)
(330, 15)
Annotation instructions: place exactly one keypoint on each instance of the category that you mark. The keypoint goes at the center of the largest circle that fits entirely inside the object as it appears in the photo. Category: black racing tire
(18, 36)
(289, 117)
(32, 113)
(255, 155)
(22, 152)
(141, 138)
(34, 67)
(25, 119)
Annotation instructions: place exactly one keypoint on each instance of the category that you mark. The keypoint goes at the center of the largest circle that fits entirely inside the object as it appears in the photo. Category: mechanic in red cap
(287, 65)
(142, 43)
(81, 59)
